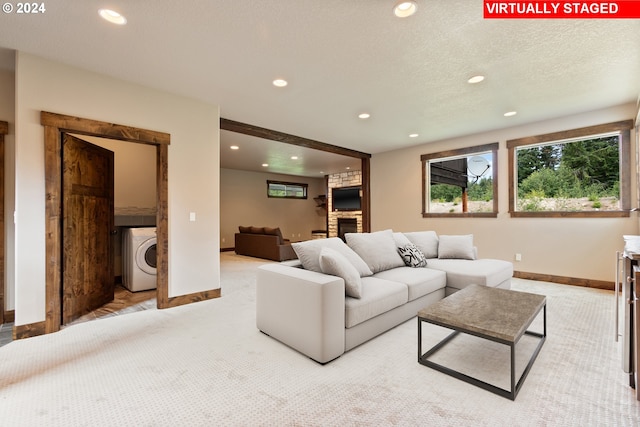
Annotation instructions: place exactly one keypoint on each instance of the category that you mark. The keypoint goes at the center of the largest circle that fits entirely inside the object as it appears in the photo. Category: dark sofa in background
(263, 242)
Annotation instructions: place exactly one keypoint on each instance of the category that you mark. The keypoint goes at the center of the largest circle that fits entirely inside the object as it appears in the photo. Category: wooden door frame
(4, 129)
(54, 126)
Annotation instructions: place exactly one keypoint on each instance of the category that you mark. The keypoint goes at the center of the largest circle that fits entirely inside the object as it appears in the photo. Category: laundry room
(134, 234)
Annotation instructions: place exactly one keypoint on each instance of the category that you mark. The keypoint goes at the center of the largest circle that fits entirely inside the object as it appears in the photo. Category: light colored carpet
(207, 364)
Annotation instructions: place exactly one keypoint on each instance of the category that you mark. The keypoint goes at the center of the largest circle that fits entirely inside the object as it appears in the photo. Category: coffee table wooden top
(500, 314)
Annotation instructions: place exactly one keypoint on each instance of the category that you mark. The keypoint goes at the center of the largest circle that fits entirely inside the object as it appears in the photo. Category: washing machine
(139, 258)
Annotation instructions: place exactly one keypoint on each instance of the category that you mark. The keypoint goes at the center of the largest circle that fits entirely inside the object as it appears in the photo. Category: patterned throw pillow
(412, 256)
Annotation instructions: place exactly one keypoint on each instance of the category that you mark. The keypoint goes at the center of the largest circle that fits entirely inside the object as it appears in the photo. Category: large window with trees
(582, 172)
(461, 182)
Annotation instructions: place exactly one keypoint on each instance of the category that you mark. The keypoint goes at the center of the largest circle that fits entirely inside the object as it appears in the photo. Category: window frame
(426, 172)
(305, 188)
(622, 127)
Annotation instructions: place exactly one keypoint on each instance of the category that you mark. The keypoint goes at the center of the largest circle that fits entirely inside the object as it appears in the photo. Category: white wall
(571, 247)
(244, 201)
(7, 114)
(193, 170)
(134, 172)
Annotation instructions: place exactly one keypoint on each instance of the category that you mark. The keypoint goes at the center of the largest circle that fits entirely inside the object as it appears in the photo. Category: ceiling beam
(273, 135)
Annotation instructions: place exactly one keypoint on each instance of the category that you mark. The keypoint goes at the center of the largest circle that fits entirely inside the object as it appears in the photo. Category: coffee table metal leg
(515, 387)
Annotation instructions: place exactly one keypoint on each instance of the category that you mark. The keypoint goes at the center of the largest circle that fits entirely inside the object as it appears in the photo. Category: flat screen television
(346, 199)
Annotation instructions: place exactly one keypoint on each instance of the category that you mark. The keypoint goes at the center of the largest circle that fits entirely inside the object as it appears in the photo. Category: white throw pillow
(334, 263)
(412, 256)
(458, 246)
(426, 241)
(308, 253)
(401, 240)
(377, 249)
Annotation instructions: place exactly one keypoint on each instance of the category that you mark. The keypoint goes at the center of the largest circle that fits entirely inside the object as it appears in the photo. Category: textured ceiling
(345, 57)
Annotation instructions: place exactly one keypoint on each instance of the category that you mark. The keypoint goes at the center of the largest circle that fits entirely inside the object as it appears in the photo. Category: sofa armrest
(303, 309)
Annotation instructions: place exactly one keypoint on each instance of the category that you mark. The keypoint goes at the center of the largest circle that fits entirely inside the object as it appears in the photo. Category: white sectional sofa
(336, 296)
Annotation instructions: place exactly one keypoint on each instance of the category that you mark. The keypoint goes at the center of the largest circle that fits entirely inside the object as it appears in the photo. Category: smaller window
(460, 183)
(286, 190)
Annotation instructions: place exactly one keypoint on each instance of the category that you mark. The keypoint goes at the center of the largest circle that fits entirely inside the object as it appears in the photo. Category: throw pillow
(334, 263)
(459, 246)
(412, 256)
(400, 239)
(244, 229)
(426, 241)
(308, 253)
(377, 249)
(257, 230)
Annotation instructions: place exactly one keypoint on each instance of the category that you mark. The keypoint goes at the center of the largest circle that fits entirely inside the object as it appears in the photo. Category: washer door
(146, 259)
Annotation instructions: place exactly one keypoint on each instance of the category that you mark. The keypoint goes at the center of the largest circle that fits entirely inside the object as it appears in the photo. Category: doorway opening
(56, 127)
(284, 138)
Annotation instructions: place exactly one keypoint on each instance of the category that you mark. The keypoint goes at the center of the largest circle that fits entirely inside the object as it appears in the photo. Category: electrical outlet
(518, 257)
(223, 240)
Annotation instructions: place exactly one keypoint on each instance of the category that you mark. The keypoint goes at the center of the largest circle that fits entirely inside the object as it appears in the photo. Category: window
(461, 183)
(577, 173)
(286, 190)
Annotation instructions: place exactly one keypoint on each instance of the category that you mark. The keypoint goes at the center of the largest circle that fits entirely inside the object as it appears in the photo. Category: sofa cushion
(419, 281)
(256, 230)
(377, 249)
(457, 247)
(378, 296)
(243, 229)
(334, 263)
(274, 232)
(426, 241)
(412, 256)
(400, 239)
(309, 254)
(462, 273)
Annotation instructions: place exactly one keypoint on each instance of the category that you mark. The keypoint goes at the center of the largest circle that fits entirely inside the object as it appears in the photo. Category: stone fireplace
(344, 179)
(347, 225)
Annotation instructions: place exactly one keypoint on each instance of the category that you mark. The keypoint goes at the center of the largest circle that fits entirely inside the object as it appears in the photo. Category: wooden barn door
(87, 212)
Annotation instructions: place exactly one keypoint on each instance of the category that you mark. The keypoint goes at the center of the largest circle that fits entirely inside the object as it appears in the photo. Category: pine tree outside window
(582, 172)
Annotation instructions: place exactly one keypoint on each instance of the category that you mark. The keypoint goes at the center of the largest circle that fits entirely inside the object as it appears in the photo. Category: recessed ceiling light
(280, 83)
(405, 8)
(364, 115)
(264, 165)
(475, 79)
(413, 135)
(510, 113)
(112, 16)
(294, 157)
(234, 147)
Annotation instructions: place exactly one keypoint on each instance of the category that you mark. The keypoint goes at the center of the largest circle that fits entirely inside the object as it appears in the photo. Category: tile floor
(6, 333)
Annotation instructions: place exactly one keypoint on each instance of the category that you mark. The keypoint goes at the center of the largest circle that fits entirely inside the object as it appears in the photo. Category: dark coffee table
(499, 315)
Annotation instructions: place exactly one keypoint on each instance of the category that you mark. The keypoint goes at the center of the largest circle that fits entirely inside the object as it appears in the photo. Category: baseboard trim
(227, 249)
(573, 281)
(188, 299)
(9, 316)
(28, 331)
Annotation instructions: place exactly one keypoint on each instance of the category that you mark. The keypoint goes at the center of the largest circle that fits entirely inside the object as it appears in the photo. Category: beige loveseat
(337, 296)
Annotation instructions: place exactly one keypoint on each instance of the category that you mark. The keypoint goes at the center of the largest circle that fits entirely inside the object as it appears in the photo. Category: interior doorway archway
(365, 158)
(55, 125)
